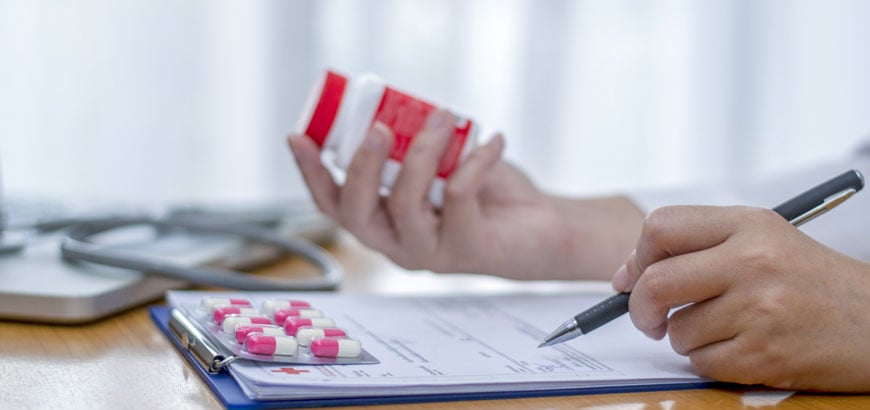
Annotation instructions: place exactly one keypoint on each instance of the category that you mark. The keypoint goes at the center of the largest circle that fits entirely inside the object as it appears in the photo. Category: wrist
(595, 235)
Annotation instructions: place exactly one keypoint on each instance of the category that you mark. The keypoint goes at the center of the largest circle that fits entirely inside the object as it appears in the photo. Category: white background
(165, 100)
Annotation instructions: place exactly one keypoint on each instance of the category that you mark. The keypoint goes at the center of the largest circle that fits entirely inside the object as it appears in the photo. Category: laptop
(36, 285)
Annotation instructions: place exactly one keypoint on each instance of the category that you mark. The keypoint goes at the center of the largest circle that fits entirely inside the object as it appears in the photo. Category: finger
(360, 197)
(621, 281)
(463, 186)
(318, 179)
(701, 324)
(728, 361)
(410, 210)
(676, 281)
(675, 230)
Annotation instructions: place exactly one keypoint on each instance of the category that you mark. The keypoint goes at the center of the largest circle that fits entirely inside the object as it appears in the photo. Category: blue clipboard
(230, 394)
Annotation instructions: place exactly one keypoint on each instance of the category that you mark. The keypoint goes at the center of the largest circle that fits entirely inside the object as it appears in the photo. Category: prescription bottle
(340, 110)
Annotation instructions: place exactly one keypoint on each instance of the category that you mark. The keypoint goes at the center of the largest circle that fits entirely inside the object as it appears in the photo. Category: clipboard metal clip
(192, 339)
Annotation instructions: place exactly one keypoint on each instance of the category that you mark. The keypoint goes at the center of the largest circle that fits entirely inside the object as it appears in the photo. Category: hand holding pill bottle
(493, 219)
(340, 111)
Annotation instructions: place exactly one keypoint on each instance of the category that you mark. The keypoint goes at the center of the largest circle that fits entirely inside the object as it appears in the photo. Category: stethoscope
(77, 245)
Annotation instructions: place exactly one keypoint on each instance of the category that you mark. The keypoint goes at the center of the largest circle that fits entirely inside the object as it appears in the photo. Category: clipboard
(231, 394)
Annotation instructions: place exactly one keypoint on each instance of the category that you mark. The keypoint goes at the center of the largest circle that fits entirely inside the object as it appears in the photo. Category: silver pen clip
(826, 205)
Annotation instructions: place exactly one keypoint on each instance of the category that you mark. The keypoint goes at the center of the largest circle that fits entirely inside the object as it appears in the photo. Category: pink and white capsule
(221, 312)
(271, 345)
(335, 347)
(305, 334)
(208, 304)
(270, 306)
(282, 314)
(292, 324)
(242, 331)
(231, 321)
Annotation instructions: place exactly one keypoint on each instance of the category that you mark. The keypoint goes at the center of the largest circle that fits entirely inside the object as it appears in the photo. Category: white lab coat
(846, 228)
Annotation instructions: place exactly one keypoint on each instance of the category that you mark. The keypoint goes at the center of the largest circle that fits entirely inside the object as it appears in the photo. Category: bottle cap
(322, 107)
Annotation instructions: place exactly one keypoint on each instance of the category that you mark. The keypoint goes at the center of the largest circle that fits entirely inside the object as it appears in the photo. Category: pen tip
(542, 345)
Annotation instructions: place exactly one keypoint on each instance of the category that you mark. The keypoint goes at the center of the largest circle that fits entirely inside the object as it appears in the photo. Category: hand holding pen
(762, 302)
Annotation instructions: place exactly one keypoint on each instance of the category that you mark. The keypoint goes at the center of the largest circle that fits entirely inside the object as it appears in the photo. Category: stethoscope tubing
(76, 246)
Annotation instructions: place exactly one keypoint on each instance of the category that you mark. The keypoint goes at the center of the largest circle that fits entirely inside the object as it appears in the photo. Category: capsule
(222, 312)
(208, 304)
(270, 306)
(231, 321)
(242, 331)
(335, 347)
(271, 345)
(292, 324)
(305, 334)
(282, 314)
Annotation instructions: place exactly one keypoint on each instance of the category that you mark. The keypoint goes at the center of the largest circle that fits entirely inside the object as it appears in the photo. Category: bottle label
(406, 116)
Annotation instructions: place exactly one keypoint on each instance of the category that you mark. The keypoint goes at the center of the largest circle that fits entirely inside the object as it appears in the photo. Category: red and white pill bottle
(340, 111)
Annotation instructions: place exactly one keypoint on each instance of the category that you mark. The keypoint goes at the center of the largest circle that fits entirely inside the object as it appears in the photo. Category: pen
(797, 211)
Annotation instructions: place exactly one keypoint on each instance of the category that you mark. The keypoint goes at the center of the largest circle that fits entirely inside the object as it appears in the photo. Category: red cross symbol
(289, 370)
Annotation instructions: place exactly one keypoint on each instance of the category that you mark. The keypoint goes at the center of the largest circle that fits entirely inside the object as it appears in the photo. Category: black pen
(797, 211)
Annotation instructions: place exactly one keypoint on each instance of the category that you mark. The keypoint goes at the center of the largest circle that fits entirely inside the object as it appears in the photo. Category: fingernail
(439, 120)
(378, 139)
(659, 332)
(293, 141)
(620, 279)
(498, 140)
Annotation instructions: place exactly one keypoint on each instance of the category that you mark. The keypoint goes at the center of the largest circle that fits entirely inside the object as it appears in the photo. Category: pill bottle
(341, 109)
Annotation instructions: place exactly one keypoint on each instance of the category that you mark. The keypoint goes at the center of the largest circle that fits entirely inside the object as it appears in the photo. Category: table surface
(124, 361)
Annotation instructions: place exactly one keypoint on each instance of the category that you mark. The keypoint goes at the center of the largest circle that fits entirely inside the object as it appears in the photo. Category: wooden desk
(125, 362)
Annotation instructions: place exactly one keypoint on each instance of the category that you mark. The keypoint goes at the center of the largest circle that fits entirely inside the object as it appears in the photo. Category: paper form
(463, 343)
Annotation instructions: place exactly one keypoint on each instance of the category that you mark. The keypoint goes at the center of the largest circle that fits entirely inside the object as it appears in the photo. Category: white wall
(168, 101)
